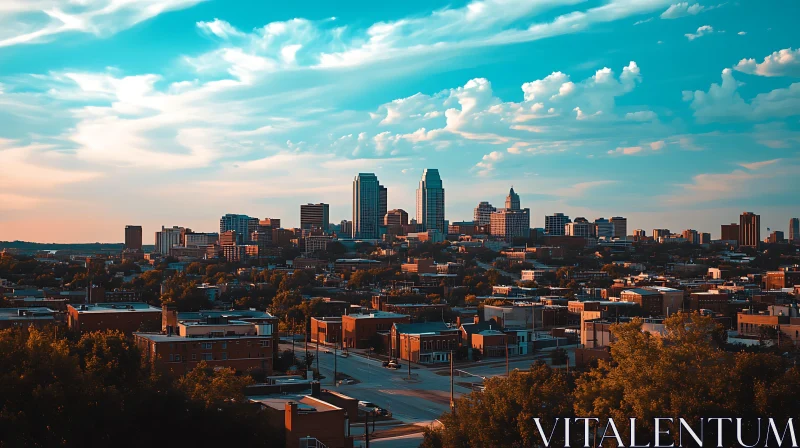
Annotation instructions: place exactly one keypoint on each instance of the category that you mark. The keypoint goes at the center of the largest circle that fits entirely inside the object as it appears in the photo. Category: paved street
(488, 266)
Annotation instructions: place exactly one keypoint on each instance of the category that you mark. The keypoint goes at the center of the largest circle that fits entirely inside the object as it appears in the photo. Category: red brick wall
(126, 322)
(242, 354)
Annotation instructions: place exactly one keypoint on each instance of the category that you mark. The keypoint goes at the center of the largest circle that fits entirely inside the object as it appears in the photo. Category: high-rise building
(639, 234)
(749, 229)
(242, 224)
(483, 214)
(705, 238)
(200, 239)
(511, 222)
(555, 224)
(133, 237)
(729, 232)
(167, 238)
(314, 216)
(620, 226)
(691, 236)
(580, 227)
(228, 238)
(366, 206)
(383, 203)
(603, 228)
(345, 228)
(430, 201)
(794, 230)
(660, 233)
(395, 221)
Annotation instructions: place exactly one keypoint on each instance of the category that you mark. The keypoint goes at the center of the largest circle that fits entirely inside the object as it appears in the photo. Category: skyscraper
(555, 224)
(314, 216)
(166, 238)
(749, 229)
(242, 224)
(580, 227)
(512, 200)
(366, 206)
(511, 222)
(794, 230)
(133, 237)
(383, 203)
(430, 201)
(483, 214)
(620, 226)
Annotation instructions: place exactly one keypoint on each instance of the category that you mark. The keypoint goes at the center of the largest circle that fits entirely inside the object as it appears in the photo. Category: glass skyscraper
(369, 196)
(430, 201)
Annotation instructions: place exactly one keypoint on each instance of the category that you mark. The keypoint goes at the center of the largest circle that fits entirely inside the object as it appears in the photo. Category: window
(208, 357)
(224, 345)
(265, 343)
(171, 357)
(177, 358)
(224, 356)
(194, 357)
(206, 345)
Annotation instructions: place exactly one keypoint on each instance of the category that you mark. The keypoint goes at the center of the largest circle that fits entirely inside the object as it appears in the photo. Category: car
(368, 404)
(347, 381)
(385, 363)
(393, 365)
(381, 412)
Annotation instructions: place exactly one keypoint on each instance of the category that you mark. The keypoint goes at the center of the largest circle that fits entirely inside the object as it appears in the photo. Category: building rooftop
(160, 337)
(663, 289)
(423, 328)
(376, 315)
(26, 314)
(305, 403)
(641, 291)
(241, 314)
(118, 307)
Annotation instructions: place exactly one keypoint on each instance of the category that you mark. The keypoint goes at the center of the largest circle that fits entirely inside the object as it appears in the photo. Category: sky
(174, 112)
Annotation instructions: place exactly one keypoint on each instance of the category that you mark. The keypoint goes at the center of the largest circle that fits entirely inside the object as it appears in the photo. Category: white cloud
(36, 21)
(702, 31)
(220, 28)
(741, 33)
(785, 62)
(682, 9)
(658, 145)
(640, 22)
(37, 167)
(630, 150)
(754, 166)
(723, 102)
(642, 115)
(487, 163)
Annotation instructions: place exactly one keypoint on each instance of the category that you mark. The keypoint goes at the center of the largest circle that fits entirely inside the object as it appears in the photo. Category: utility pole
(334, 364)
(408, 338)
(317, 356)
(452, 378)
(366, 429)
(506, 338)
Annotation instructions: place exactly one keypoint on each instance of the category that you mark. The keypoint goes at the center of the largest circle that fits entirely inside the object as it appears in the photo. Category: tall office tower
(555, 224)
(620, 226)
(229, 238)
(383, 203)
(776, 237)
(200, 239)
(749, 229)
(133, 237)
(794, 230)
(659, 233)
(705, 238)
(603, 228)
(167, 238)
(691, 236)
(580, 227)
(430, 201)
(639, 234)
(242, 224)
(729, 232)
(483, 214)
(512, 222)
(512, 200)
(366, 206)
(314, 216)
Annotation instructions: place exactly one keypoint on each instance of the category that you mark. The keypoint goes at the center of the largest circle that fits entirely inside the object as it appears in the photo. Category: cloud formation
(702, 31)
(784, 62)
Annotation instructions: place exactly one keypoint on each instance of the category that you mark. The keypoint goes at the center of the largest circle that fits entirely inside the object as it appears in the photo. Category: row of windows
(205, 357)
(438, 345)
(208, 345)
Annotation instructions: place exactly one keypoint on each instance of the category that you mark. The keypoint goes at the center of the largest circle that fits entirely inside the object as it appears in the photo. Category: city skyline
(676, 115)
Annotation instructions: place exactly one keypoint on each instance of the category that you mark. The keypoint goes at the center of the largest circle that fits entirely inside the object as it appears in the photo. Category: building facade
(483, 214)
(556, 224)
(314, 216)
(367, 216)
(729, 232)
(794, 230)
(604, 228)
(749, 229)
(167, 238)
(430, 201)
(133, 237)
(620, 226)
(581, 227)
(243, 225)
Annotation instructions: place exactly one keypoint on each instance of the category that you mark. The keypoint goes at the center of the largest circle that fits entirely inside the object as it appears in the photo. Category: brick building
(126, 317)
(424, 343)
(326, 330)
(26, 317)
(223, 341)
(359, 329)
(651, 302)
(491, 343)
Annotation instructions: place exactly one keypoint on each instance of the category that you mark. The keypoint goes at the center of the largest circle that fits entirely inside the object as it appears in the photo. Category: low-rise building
(26, 317)
(126, 317)
(651, 301)
(424, 343)
(359, 330)
(326, 330)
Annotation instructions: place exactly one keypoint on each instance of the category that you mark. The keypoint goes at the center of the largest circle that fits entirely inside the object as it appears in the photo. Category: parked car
(393, 365)
(368, 404)
(382, 412)
(385, 363)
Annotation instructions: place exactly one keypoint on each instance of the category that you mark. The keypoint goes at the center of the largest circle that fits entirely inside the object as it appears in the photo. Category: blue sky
(173, 112)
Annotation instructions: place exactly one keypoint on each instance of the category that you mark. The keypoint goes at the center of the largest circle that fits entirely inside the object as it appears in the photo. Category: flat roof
(641, 291)
(304, 402)
(118, 307)
(30, 314)
(375, 315)
(242, 314)
(158, 337)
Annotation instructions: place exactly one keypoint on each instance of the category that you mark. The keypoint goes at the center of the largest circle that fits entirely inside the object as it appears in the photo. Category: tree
(214, 386)
(502, 415)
